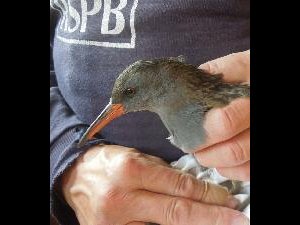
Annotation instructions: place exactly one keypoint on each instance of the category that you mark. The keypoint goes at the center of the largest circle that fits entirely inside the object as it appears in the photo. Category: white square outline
(108, 44)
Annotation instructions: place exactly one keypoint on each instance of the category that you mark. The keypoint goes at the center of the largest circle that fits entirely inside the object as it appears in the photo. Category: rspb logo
(105, 23)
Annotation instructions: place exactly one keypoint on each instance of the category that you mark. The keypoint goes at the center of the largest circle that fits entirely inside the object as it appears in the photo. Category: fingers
(149, 173)
(223, 123)
(233, 152)
(234, 67)
(167, 210)
(136, 171)
(169, 181)
(241, 172)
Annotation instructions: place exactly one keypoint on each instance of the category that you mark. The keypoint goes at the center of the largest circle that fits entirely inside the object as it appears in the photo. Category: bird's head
(144, 85)
(139, 87)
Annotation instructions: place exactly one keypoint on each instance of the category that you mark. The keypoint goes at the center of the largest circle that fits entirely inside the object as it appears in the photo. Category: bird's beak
(111, 112)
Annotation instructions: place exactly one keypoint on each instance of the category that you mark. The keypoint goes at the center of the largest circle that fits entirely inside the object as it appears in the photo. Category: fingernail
(240, 220)
(232, 202)
(204, 67)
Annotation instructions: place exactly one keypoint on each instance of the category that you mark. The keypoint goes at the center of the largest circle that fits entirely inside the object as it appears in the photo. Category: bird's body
(181, 94)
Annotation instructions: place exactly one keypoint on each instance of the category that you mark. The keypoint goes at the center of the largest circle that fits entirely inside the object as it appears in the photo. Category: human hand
(117, 185)
(228, 128)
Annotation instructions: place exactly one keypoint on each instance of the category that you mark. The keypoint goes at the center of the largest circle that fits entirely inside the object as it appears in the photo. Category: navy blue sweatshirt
(92, 41)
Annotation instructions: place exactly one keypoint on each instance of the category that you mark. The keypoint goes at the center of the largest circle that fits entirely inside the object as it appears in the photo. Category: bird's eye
(129, 92)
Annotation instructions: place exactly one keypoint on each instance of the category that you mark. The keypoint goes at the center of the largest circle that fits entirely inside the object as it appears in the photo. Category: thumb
(234, 67)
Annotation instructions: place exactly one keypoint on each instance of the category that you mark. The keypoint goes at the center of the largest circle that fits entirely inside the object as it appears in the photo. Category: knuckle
(111, 193)
(185, 185)
(130, 164)
(178, 211)
(237, 151)
(226, 122)
(102, 201)
(107, 199)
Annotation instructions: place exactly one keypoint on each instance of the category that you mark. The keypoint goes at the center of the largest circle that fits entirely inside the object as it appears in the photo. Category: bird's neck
(185, 125)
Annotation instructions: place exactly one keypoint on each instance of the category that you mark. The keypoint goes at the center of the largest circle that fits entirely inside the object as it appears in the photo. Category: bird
(180, 93)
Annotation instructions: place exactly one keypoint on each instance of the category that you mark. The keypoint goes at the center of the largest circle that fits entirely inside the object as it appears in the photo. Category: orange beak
(111, 112)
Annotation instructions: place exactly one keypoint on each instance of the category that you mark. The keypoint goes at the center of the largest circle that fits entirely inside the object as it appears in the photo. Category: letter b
(120, 20)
